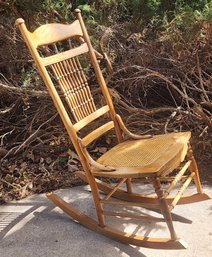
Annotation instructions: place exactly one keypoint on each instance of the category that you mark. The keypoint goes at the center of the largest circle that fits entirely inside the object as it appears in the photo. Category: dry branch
(19, 90)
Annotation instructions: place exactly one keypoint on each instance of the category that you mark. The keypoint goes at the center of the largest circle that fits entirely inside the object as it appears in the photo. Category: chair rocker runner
(152, 158)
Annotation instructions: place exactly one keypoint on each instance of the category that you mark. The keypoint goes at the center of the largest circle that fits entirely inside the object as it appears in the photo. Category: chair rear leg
(193, 168)
(164, 208)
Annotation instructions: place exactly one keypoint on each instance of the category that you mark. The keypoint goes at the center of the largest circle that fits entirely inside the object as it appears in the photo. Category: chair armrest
(127, 132)
(92, 162)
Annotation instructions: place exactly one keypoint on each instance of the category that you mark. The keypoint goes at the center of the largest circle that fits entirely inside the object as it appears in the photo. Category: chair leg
(164, 208)
(193, 168)
(96, 197)
(129, 185)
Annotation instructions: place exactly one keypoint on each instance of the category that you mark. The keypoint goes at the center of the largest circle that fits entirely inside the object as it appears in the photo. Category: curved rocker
(83, 219)
(132, 197)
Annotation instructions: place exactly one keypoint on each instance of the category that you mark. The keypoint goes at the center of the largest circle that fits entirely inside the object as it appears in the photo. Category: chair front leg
(96, 198)
(129, 186)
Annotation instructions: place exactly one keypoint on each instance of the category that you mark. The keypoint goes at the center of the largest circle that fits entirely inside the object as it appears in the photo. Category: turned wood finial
(19, 21)
(77, 11)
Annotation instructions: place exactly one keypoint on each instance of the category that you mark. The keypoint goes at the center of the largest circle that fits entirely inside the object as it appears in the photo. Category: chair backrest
(69, 74)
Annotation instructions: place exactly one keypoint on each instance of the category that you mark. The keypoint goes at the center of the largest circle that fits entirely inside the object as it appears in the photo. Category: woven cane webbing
(74, 85)
(163, 152)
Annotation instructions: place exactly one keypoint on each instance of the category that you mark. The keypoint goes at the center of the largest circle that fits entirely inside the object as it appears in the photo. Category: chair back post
(64, 116)
(52, 90)
(99, 76)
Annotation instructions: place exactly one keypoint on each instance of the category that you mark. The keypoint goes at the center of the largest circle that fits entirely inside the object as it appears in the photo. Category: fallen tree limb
(19, 90)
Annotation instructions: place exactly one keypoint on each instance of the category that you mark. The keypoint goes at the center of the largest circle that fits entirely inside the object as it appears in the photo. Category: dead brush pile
(158, 85)
(163, 85)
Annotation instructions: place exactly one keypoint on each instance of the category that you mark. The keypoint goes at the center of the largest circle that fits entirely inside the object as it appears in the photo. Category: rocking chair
(152, 158)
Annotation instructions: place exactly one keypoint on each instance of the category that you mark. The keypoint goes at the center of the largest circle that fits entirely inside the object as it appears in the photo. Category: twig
(3, 136)
(8, 109)
(149, 112)
(200, 78)
(9, 184)
(200, 112)
(29, 140)
(204, 131)
(169, 119)
(153, 73)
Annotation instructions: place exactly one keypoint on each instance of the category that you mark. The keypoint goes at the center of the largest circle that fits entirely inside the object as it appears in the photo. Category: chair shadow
(176, 217)
(9, 219)
(44, 214)
(41, 212)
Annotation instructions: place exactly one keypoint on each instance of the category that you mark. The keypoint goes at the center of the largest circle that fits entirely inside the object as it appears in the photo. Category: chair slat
(65, 55)
(65, 86)
(53, 32)
(78, 88)
(91, 117)
(73, 83)
(97, 133)
(84, 82)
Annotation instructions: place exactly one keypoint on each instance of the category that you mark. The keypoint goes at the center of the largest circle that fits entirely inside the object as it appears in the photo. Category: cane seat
(160, 154)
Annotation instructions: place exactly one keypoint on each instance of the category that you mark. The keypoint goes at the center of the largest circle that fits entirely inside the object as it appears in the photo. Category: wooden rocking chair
(152, 158)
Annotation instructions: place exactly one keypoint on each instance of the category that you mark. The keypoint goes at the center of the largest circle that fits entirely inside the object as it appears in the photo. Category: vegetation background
(161, 54)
